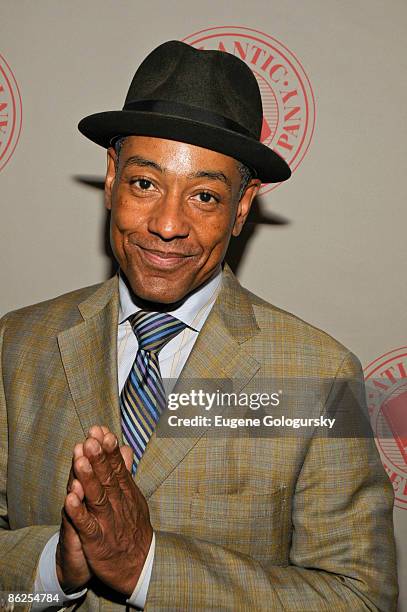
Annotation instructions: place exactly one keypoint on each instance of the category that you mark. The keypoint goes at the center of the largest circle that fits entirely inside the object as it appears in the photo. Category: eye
(207, 198)
(142, 183)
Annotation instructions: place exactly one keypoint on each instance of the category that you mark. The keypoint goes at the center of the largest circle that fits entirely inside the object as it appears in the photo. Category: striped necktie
(142, 399)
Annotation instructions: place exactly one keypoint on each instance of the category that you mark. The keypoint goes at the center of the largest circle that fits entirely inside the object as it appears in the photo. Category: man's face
(174, 207)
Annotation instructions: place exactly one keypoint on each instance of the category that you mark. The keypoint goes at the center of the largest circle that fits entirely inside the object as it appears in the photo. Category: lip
(163, 259)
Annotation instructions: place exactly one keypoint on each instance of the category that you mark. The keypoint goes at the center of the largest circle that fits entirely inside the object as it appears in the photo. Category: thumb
(68, 536)
(127, 455)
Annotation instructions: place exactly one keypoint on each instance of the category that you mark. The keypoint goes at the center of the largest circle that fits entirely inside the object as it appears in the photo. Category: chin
(160, 298)
(157, 290)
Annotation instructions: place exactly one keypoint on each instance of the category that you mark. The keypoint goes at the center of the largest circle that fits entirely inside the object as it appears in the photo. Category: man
(206, 522)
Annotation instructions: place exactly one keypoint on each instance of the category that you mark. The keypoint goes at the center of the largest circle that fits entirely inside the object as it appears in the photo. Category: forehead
(177, 157)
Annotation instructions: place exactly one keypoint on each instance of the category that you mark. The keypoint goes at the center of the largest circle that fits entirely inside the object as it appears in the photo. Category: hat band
(184, 111)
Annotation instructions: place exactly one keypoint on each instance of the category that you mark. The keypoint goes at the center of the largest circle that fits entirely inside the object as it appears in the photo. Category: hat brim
(102, 127)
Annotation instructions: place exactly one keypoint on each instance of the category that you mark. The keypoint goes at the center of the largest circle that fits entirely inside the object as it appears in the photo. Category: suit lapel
(89, 355)
(219, 360)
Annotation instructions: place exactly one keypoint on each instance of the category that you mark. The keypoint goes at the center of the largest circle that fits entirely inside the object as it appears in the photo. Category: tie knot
(154, 329)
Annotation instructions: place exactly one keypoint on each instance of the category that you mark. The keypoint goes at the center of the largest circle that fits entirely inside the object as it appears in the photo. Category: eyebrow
(137, 160)
(214, 175)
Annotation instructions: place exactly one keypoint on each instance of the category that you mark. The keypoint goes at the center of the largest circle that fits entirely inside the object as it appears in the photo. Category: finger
(77, 488)
(85, 524)
(110, 444)
(98, 431)
(77, 452)
(102, 469)
(128, 456)
(68, 536)
(117, 461)
(71, 563)
(96, 498)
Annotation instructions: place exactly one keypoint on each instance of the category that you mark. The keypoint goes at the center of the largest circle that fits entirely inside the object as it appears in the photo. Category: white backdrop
(338, 258)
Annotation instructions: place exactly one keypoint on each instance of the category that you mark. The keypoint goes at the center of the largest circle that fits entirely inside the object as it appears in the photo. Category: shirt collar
(188, 311)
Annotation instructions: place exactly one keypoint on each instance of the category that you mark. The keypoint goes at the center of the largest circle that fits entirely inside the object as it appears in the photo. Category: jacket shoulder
(53, 315)
(291, 335)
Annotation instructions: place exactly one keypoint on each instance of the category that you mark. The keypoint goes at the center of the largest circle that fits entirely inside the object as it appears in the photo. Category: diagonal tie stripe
(154, 329)
(143, 399)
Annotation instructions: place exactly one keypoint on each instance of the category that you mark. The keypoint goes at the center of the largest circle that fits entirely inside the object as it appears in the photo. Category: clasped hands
(105, 527)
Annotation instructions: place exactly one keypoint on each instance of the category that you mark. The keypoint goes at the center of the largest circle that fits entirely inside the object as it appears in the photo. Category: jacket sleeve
(20, 549)
(342, 554)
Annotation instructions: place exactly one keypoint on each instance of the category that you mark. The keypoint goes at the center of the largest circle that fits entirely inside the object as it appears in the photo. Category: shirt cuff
(46, 580)
(138, 598)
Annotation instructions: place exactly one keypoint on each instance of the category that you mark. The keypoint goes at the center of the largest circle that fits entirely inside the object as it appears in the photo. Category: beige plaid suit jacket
(242, 523)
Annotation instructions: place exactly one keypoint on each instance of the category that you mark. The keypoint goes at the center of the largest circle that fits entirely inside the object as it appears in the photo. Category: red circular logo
(10, 112)
(288, 99)
(386, 389)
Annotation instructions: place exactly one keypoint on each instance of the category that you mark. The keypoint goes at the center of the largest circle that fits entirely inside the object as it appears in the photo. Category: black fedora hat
(205, 98)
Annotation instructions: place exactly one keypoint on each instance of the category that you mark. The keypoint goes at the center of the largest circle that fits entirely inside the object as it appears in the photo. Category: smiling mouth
(163, 259)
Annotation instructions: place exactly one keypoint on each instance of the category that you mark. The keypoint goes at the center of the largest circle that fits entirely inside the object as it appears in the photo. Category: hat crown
(214, 81)
(206, 98)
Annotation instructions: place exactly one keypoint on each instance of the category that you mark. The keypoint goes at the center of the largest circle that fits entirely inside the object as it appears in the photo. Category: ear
(110, 177)
(243, 207)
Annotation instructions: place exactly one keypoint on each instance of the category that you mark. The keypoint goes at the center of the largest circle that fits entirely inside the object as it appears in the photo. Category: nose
(168, 218)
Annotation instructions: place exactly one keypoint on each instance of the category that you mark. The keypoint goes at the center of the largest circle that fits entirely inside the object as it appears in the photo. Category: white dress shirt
(172, 357)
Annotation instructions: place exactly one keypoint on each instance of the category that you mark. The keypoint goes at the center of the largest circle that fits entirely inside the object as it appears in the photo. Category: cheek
(215, 237)
(116, 243)
(126, 219)
(124, 215)
(123, 219)
(215, 233)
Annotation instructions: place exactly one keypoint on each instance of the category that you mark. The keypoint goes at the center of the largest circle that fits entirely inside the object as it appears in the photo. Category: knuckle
(120, 473)
(109, 480)
(101, 500)
(119, 467)
(115, 459)
(91, 528)
(87, 524)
